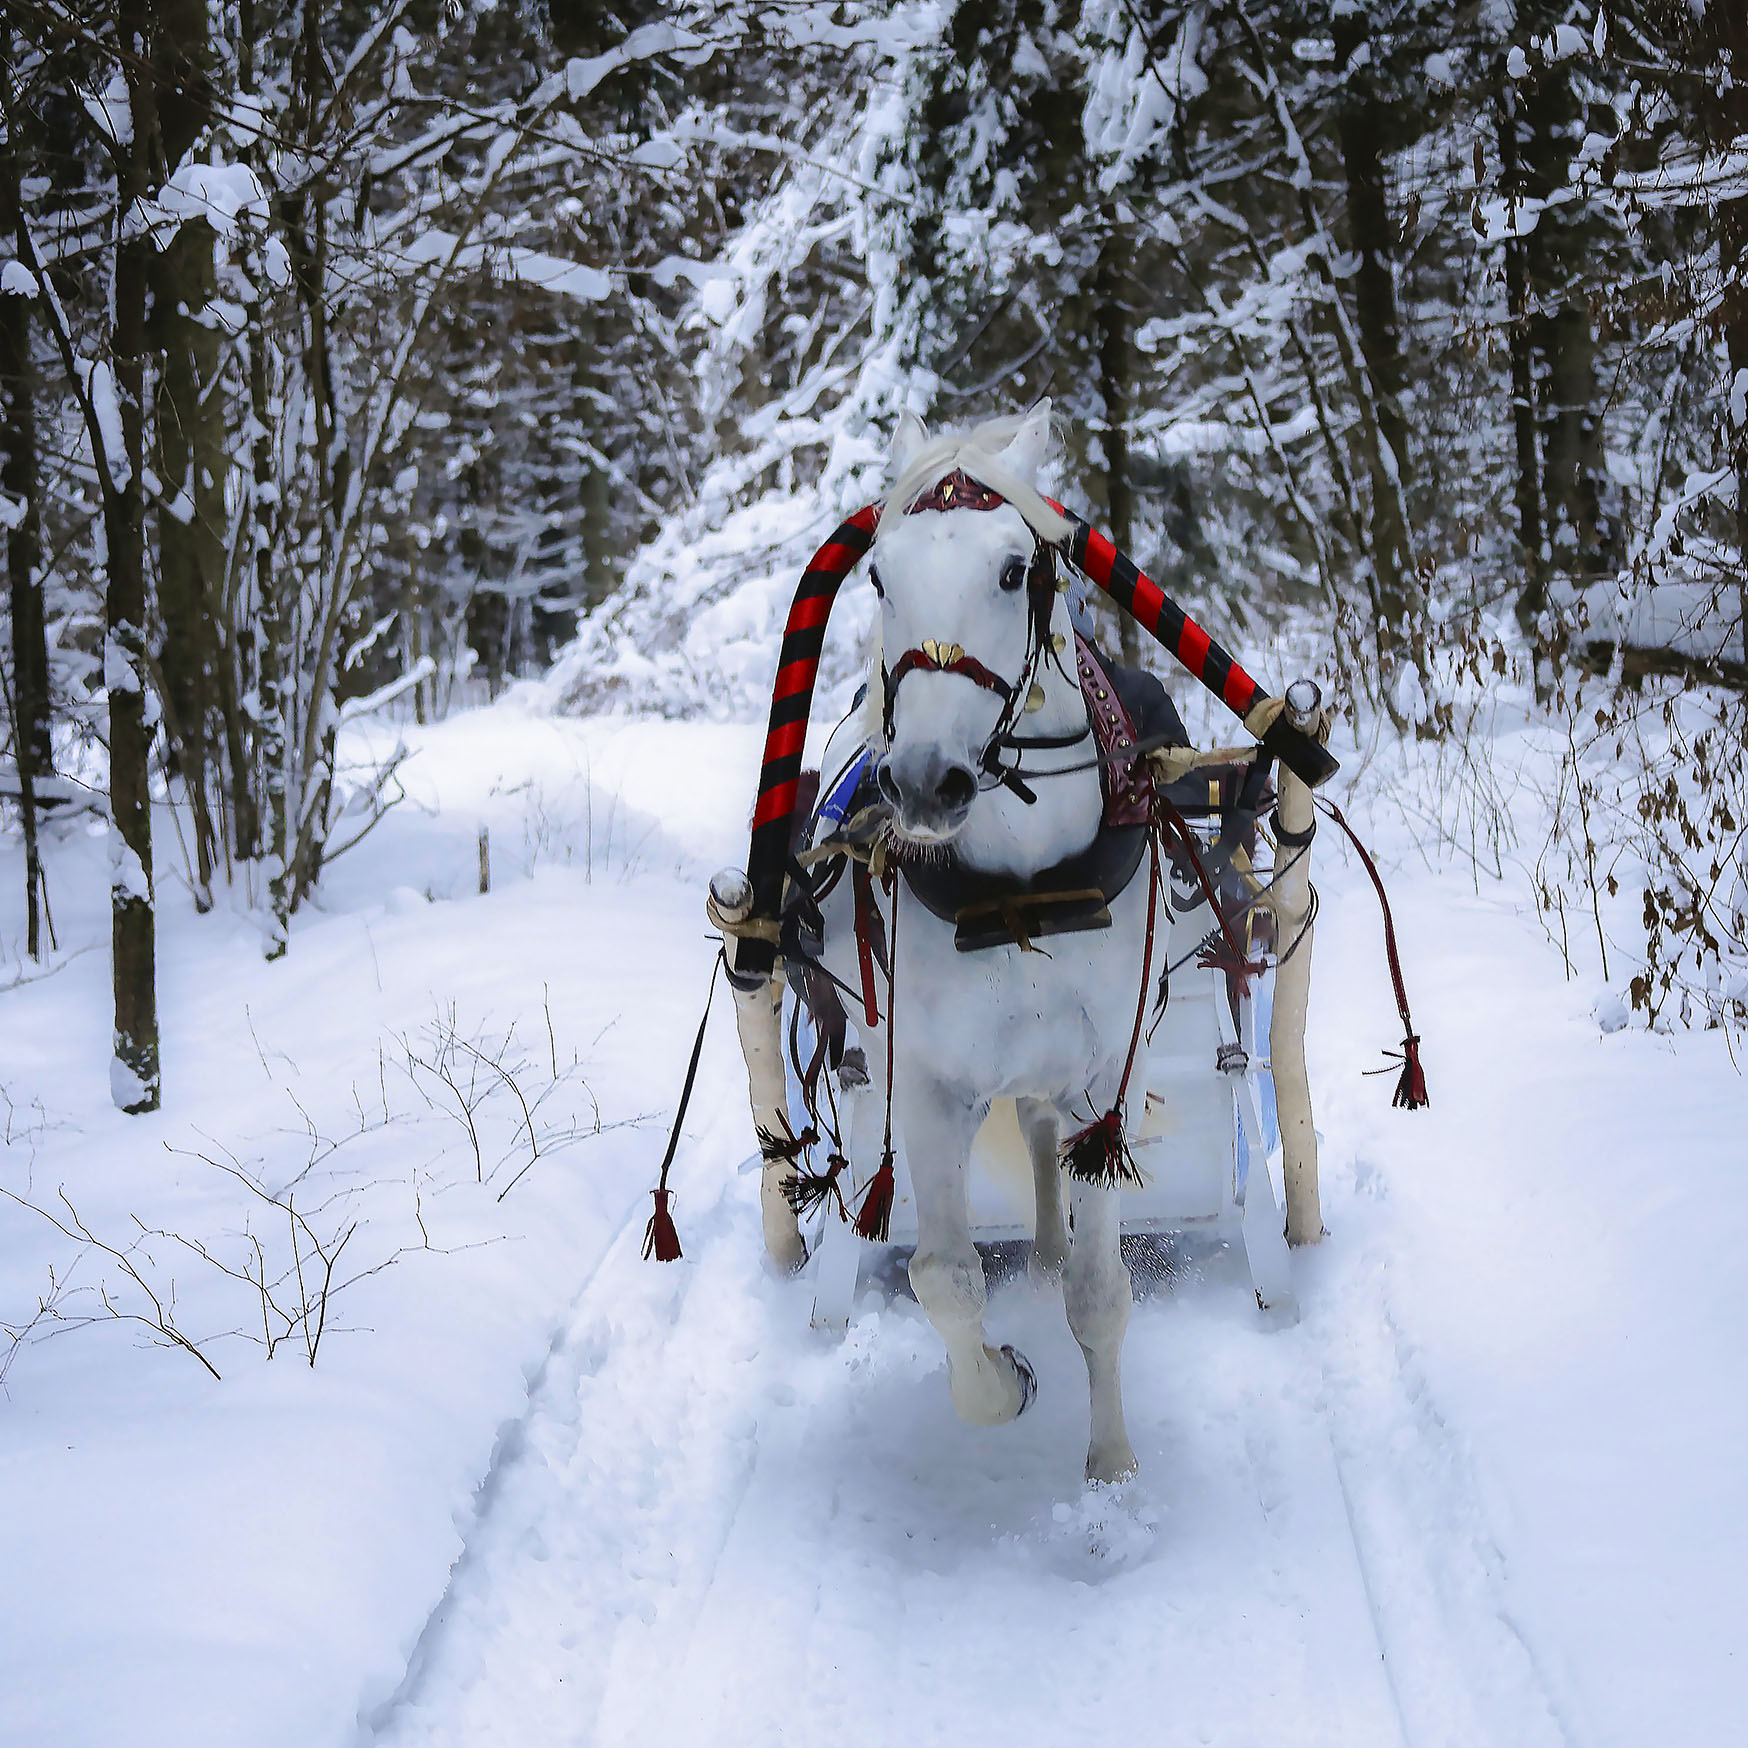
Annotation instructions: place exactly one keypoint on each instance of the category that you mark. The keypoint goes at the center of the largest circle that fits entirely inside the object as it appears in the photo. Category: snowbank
(536, 1490)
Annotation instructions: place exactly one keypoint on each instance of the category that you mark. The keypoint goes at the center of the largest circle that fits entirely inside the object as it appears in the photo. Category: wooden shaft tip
(1304, 701)
(732, 894)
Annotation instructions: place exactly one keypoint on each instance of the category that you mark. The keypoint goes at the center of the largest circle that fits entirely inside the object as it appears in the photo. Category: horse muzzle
(930, 794)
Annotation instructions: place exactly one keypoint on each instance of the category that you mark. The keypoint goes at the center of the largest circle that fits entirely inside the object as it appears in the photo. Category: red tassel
(660, 1240)
(874, 1217)
(1411, 1088)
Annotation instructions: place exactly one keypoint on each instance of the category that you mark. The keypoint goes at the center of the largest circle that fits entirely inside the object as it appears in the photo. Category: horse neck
(1005, 835)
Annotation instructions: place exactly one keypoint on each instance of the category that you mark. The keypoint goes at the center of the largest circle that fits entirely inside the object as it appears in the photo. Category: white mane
(979, 452)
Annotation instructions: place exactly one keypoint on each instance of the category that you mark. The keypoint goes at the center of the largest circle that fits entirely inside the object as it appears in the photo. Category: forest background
(357, 360)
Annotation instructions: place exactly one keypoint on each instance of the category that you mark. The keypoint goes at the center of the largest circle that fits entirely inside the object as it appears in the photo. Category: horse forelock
(975, 453)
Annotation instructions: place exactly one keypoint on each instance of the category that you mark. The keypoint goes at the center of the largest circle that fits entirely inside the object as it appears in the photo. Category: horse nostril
(957, 789)
(887, 784)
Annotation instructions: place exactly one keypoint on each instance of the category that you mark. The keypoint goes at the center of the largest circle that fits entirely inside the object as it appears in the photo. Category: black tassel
(1099, 1154)
(808, 1191)
(785, 1149)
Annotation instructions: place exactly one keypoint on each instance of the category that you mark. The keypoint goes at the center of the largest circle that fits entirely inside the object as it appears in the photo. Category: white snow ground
(537, 1491)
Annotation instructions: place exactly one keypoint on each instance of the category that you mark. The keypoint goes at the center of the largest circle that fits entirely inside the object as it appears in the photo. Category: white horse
(1050, 1029)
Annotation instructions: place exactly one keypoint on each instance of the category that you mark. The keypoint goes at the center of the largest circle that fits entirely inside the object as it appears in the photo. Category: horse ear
(1028, 446)
(910, 436)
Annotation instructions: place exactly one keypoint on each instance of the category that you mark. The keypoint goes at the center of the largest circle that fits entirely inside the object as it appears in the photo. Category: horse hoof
(1109, 1468)
(1028, 1379)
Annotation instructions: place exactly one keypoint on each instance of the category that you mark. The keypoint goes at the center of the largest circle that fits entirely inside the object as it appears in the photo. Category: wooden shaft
(758, 1017)
(1291, 901)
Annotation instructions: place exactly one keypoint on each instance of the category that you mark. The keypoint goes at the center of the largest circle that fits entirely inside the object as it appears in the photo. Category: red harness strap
(1128, 780)
(1411, 1084)
(930, 661)
(870, 941)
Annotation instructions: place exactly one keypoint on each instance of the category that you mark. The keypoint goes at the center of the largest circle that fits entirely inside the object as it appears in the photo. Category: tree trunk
(1727, 25)
(1532, 596)
(134, 1072)
(1115, 390)
(309, 727)
(1360, 129)
(190, 437)
(272, 658)
(1581, 538)
(191, 465)
(32, 746)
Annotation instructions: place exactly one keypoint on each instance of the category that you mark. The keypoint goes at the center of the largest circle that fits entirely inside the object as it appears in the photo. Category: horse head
(963, 563)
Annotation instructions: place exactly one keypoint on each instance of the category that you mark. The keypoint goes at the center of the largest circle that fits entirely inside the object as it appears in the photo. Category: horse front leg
(990, 1385)
(1097, 1293)
(1043, 1132)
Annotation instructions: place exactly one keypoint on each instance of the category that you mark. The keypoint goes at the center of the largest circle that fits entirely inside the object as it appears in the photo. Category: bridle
(960, 492)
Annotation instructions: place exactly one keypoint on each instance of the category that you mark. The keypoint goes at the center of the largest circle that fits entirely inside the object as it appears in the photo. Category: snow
(534, 1489)
(106, 409)
(127, 873)
(581, 76)
(529, 266)
(218, 193)
(126, 1089)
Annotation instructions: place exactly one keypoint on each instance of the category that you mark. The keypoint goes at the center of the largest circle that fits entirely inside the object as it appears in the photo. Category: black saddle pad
(1149, 705)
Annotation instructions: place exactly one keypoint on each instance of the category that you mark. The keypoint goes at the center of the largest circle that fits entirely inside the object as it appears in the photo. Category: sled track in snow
(712, 1527)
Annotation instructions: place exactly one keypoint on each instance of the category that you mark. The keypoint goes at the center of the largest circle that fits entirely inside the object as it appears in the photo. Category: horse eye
(874, 578)
(1013, 574)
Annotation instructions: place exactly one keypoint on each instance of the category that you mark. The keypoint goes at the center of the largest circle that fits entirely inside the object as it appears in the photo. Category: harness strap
(660, 1240)
(939, 660)
(1411, 1087)
(1022, 913)
(874, 1217)
(868, 941)
(1128, 778)
(1293, 840)
(1186, 837)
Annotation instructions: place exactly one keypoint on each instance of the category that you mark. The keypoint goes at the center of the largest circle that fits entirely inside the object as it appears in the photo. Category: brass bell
(1035, 697)
(1058, 642)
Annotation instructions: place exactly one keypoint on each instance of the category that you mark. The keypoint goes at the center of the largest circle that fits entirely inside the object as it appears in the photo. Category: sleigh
(1206, 1135)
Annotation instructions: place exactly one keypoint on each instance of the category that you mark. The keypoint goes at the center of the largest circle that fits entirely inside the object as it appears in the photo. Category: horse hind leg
(1042, 1130)
(1096, 1292)
(990, 1385)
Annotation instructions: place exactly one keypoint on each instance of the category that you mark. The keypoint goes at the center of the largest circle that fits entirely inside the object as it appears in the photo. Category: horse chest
(1001, 1021)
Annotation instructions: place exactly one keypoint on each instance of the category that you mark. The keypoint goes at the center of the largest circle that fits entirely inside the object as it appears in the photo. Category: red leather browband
(958, 491)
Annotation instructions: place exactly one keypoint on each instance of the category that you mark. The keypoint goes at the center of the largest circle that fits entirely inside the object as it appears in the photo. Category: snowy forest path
(712, 1526)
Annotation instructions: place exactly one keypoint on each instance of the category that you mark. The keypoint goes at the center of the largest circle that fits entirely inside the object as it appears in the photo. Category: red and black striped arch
(791, 701)
(1140, 596)
(798, 667)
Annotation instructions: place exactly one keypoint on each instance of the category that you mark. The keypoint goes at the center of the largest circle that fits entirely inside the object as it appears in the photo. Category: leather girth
(997, 910)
